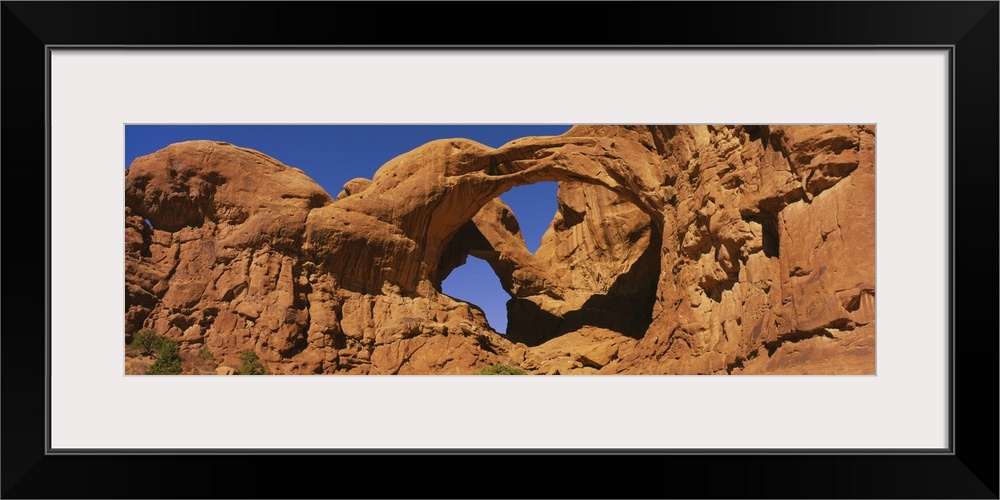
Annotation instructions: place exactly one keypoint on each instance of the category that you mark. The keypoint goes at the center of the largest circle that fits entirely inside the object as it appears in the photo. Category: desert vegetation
(501, 369)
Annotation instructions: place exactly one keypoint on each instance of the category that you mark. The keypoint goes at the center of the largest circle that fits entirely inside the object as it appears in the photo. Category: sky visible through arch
(334, 154)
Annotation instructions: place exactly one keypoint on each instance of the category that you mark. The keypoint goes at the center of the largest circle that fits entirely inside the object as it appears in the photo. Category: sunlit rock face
(687, 249)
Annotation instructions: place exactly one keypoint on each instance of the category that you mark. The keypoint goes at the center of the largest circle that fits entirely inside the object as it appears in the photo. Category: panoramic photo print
(499, 249)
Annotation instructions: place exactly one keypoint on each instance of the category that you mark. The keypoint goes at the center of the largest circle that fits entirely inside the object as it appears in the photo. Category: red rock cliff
(687, 249)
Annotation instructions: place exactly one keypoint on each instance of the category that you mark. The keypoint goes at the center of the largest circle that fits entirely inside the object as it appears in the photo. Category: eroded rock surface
(688, 249)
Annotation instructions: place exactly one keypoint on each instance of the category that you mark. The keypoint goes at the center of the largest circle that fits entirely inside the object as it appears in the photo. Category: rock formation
(687, 249)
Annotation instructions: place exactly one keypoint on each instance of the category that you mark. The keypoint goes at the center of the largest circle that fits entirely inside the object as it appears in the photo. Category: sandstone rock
(138, 365)
(824, 352)
(781, 252)
(675, 249)
(582, 351)
(225, 370)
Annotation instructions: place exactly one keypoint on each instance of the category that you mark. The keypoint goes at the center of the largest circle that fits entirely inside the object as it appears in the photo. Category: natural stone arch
(767, 255)
(417, 202)
(596, 267)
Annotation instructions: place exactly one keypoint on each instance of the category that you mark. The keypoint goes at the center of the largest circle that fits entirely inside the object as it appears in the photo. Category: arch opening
(598, 267)
(534, 206)
(476, 284)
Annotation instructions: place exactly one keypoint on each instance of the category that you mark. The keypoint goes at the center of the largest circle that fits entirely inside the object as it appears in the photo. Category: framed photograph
(842, 156)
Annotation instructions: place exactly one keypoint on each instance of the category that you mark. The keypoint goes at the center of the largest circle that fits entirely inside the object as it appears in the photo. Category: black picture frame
(968, 29)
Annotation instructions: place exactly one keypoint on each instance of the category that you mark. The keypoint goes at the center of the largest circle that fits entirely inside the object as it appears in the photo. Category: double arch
(441, 203)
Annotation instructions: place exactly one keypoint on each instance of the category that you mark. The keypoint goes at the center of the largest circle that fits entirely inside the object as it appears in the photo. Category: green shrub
(205, 355)
(168, 360)
(252, 365)
(146, 341)
(499, 369)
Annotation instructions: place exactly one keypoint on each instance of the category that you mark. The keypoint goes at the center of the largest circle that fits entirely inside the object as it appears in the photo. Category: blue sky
(334, 154)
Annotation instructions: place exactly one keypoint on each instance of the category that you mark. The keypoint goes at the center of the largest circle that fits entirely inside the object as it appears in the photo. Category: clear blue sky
(334, 154)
